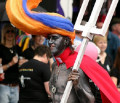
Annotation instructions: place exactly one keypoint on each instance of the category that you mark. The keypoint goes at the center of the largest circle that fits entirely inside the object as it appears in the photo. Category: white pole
(109, 15)
(69, 83)
(81, 13)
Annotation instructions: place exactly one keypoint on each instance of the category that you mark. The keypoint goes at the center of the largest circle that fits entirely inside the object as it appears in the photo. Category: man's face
(56, 44)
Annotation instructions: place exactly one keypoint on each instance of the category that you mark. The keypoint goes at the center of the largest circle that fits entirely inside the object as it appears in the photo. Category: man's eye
(48, 38)
(55, 37)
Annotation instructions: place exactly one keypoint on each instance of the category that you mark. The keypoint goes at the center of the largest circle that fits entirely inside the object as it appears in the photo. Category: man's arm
(46, 84)
(81, 85)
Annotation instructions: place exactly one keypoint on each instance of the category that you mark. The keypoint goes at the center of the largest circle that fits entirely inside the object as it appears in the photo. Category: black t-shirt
(116, 73)
(34, 74)
(107, 64)
(28, 53)
(12, 73)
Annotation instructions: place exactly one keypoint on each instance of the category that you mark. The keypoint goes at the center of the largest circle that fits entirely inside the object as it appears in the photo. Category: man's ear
(66, 41)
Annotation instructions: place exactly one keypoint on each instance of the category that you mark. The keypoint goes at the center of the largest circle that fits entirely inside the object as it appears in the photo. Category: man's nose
(51, 41)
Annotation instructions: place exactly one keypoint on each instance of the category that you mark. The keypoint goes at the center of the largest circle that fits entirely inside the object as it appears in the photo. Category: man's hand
(74, 76)
(14, 60)
(22, 61)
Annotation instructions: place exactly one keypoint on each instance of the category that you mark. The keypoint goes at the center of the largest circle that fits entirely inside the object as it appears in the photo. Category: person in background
(28, 54)
(115, 72)
(78, 39)
(115, 26)
(34, 77)
(9, 53)
(104, 59)
(78, 36)
(113, 42)
(37, 40)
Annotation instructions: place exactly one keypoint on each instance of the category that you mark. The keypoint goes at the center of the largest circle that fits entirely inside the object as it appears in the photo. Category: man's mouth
(52, 47)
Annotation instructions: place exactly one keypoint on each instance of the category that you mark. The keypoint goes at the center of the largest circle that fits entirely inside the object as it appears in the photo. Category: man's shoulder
(54, 64)
(37, 63)
(29, 63)
(113, 36)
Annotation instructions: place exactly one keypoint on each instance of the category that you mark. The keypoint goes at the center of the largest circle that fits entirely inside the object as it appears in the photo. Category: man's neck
(39, 58)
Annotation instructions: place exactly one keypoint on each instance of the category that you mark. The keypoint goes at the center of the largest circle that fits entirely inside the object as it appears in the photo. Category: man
(65, 57)
(34, 77)
(61, 48)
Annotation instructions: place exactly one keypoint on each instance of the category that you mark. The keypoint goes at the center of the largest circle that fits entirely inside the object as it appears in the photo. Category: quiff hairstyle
(43, 49)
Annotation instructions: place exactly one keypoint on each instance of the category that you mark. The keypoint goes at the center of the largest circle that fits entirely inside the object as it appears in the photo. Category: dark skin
(58, 44)
(74, 76)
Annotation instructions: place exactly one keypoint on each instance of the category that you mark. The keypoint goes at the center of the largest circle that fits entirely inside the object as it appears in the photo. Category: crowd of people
(11, 59)
(39, 74)
(21, 78)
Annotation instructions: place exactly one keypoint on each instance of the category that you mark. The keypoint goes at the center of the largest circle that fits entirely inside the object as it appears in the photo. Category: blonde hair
(3, 33)
(98, 38)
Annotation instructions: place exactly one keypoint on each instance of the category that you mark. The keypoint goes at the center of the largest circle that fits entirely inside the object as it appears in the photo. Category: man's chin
(54, 53)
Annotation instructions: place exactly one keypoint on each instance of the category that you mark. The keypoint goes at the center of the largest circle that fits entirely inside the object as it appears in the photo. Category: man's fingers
(75, 71)
(73, 77)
